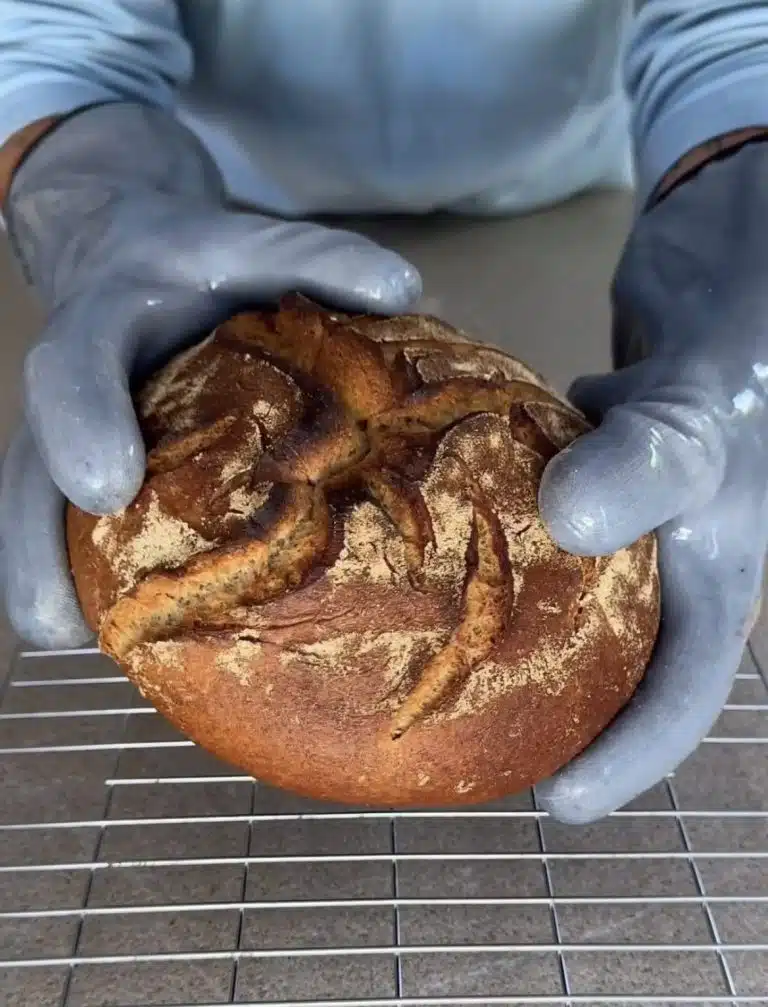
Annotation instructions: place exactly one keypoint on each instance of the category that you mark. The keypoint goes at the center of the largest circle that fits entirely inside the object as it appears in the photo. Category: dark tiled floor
(170, 861)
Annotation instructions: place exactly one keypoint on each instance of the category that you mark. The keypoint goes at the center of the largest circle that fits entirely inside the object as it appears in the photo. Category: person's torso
(344, 106)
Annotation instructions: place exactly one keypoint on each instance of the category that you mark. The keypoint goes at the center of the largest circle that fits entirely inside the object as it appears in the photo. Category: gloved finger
(646, 463)
(707, 602)
(39, 594)
(78, 403)
(260, 259)
(78, 385)
(595, 394)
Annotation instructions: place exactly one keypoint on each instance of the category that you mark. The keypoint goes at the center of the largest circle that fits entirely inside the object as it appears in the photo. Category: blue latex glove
(119, 219)
(682, 447)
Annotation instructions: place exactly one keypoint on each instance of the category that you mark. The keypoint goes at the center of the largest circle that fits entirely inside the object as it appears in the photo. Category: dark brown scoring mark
(529, 433)
(436, 407)
(251, 571)
(487, 602)
(591, 567)
(171, 455)
(404, 505)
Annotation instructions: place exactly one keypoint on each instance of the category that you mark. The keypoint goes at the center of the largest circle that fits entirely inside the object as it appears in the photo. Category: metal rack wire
(136, 870)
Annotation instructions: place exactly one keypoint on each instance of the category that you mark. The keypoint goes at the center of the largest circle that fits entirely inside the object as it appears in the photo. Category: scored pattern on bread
(336, 576)
(487, 599)
(369, 424)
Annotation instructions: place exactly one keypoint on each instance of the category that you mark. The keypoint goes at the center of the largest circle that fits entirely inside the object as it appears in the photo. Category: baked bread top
(336, 576)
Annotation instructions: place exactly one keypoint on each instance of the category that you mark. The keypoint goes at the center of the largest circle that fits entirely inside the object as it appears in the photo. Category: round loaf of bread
(335, 575)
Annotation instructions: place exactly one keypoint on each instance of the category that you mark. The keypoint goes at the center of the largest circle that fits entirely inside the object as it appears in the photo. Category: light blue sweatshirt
(475, 106)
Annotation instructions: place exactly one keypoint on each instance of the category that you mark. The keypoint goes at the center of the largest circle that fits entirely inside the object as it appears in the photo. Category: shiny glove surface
(682, 447)
(119, 220)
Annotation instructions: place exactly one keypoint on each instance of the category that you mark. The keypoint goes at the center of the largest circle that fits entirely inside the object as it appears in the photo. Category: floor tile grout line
(711, 922)
(562, 967)
(6, 680)
(92, 874)
(243, 900)
(761, 671)
(396, 928)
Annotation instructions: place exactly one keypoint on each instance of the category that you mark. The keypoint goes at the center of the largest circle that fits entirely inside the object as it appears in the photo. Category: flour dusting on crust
(161, 542)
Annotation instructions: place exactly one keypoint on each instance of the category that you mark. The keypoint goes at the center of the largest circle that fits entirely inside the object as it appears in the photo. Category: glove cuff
(70, 186)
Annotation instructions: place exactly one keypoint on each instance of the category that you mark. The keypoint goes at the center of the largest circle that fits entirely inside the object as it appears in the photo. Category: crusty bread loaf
(336, 577)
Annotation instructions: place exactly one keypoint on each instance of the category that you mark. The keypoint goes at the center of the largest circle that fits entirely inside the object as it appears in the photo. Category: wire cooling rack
(136, 870)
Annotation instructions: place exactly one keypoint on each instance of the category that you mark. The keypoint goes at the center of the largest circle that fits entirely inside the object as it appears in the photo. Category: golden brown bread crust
(336, 577)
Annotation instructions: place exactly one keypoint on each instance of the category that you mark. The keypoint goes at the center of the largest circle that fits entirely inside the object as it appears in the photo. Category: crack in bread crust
(487, 602)
(371, 429)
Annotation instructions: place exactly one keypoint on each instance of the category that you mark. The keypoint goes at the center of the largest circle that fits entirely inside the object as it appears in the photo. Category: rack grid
(135, 869)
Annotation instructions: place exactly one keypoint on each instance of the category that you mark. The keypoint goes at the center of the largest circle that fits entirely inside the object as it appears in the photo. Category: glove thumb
(650, 459)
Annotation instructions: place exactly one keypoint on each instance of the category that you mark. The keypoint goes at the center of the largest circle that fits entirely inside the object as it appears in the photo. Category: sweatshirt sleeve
(695, 69)
(60, 55)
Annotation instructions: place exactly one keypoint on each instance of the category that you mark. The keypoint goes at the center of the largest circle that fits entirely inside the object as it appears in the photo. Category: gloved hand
(118, 218)
(682, 447)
